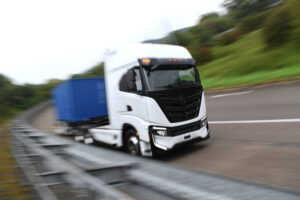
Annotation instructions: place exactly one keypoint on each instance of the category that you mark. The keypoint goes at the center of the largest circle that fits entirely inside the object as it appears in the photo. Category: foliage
(182, 39)
(247, 62)
(217, 25)
(14, 98)
(208, 16)
(277, 29)
(203, 34)
(203, 55)
(252, 22)
(96, 71)
(205, 31)
(229, 38)
(177, 38)
(44, 90)
(242, 8)
(293, 7)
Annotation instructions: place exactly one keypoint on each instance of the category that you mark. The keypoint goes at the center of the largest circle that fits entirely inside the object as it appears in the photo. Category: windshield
(171, 78)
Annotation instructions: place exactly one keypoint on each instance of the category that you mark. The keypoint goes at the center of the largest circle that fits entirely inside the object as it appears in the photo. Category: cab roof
(130, 54)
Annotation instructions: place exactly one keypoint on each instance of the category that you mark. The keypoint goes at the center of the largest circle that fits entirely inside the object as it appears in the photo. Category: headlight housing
(158, 130)
(178, 130)
(203, 122)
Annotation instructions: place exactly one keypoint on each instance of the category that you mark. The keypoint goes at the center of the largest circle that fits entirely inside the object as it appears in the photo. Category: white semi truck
(154, 100)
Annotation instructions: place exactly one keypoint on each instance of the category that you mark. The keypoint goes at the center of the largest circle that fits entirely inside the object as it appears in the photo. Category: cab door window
(123, 84)
(138, 81)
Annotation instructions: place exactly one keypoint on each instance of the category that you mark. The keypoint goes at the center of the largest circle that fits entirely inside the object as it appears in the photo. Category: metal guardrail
(48, 164)
(61, 169)
(57, 170)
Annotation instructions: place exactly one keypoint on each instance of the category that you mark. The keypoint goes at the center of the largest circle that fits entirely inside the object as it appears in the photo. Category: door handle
(129, 108)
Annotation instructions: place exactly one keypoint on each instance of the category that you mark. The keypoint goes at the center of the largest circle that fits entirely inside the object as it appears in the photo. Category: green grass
(8, 116)
(10, 176)
(249, 62)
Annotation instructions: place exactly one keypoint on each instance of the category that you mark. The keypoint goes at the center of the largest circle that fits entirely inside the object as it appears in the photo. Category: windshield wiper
(154, 67)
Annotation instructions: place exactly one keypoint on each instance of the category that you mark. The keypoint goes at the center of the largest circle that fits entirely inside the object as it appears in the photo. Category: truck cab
(154, 97)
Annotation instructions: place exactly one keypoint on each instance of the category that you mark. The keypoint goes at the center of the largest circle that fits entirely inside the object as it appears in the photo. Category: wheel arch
(125, 128)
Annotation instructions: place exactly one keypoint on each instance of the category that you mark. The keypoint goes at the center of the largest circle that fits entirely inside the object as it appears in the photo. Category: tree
(252, 22)
(5, 84)
(182, 39)
(242, 8)
(293, 7)
(229, 38)
(96, 71)
(208, 16)
(277, 28)
(203, 55)
(201, 35)
(4, 81)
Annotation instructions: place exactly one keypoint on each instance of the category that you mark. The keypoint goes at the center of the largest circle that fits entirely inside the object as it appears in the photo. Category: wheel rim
(132, 145)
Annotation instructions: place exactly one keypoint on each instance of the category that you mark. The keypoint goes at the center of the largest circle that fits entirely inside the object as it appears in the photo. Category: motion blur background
(243, 43)
(235, 43)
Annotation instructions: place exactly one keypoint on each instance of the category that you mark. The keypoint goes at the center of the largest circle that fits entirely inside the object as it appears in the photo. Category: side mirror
(130, 80)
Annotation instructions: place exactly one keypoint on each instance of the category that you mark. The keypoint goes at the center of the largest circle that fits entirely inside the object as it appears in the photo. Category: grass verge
(10, 186)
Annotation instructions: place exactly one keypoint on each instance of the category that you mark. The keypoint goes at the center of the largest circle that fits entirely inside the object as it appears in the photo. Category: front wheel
(132, 144)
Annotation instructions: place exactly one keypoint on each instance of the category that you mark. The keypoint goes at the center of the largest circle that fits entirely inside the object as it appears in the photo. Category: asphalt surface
(274, 101)
(244, 143)
(262, 152)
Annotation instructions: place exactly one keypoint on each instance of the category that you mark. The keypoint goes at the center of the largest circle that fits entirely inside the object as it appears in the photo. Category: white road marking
(255, 121)
(231, 94)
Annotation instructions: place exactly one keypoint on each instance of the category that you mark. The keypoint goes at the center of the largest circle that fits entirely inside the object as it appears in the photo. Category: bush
(252, 23)
(293, 7)
(229, 38)
(218, 25)
(277, 28)
(182, 38)
(204, 55)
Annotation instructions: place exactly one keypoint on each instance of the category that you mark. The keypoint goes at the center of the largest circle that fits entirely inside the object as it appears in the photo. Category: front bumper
(168, 142)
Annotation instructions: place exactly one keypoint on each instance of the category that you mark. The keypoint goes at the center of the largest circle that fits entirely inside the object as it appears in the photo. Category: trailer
(80, 105)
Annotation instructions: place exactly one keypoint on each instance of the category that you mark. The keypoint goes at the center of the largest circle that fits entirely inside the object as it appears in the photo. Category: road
(255, 135)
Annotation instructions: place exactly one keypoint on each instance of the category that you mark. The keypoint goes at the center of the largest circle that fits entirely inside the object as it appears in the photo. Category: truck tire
(132, 144)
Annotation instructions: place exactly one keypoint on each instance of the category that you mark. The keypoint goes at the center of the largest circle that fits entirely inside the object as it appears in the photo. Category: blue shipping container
(78, 100)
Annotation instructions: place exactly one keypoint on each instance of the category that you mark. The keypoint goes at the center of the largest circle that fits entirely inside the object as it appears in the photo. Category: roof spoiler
(153, 63)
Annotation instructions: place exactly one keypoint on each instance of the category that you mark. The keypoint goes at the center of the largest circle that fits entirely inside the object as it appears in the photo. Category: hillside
(248, 61)
(254, 42)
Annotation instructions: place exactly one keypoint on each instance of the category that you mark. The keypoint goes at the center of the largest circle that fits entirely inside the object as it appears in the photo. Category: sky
(41, 40)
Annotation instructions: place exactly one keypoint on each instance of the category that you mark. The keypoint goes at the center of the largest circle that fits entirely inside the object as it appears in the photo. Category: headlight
(161, 131)
(203, 122)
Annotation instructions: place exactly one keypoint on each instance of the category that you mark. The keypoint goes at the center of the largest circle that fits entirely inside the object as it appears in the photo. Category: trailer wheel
(132, 144)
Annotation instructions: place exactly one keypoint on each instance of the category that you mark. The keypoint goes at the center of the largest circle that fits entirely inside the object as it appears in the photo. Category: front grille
(180, 106)
(179, 130)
